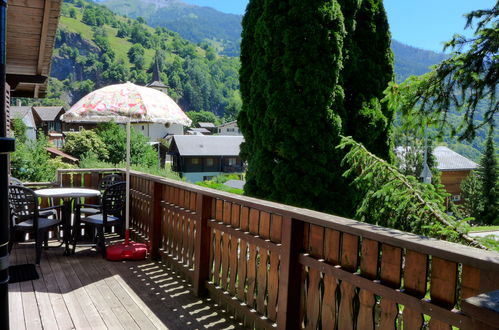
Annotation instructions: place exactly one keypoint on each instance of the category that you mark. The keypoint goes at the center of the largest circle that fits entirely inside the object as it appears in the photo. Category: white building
(229, 128)
(158, 131)
(26, 115)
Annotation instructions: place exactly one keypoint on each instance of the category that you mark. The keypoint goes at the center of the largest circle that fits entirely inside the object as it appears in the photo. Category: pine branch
(381, 173)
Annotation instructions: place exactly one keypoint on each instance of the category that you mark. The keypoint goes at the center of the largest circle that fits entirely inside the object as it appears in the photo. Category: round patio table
(67, 195)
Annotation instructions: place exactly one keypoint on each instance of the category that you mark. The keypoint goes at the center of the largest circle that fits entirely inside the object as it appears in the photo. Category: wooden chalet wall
(452, 181)
(273, 265)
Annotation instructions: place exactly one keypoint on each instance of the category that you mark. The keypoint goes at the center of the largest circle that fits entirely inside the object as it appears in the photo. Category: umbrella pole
(127, 208)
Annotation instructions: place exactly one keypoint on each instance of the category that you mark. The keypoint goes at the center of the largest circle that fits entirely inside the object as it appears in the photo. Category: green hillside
(195, 23)
(95, 47)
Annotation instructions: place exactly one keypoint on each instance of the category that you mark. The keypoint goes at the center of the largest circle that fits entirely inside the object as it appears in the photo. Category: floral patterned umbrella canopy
(124, 102)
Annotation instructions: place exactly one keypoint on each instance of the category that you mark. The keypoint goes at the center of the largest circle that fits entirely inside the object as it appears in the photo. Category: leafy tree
(463, 82)
(32, 162)
(233, 108)
(136, 52)
(19, 129)
(139, 77)
(291, 59)
(489, 182)
(117, 72)
(114, 138)
(122, 32)
(471, 191)
(78, 144)
(203, 117)
(72, 12)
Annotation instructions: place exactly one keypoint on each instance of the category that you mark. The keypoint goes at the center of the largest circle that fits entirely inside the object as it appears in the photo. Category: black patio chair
(112, 214)
(26, 217)
(105, 182)
(15, 181)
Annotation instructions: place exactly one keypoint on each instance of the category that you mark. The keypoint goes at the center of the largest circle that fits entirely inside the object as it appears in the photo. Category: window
(456, 198)
(209, 162)
(143, 127)
(232, 161)
(230, 129)
(195, 161)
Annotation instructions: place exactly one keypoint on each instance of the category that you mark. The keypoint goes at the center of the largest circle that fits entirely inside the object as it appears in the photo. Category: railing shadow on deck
(272, 265)
(88, 284)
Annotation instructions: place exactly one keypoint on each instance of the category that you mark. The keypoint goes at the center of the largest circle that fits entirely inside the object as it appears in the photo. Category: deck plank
(43, 301)
(130, 303)
(108, 316)
(16, 311)
(95, 272)
(90, 311)
(136, 299)
(61, 313)
(85, 291)
(69, 295)
(32, 318)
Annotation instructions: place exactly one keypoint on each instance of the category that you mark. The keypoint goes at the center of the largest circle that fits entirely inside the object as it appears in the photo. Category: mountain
(223, 31)
(195, 23)
(95, 47)
(413, 61)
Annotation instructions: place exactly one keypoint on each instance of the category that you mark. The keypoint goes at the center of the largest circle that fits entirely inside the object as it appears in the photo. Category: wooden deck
(85, 291)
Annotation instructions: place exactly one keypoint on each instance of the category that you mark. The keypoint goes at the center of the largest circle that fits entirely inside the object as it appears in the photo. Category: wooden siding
(272, 265)
(452, 181)
(31, 29)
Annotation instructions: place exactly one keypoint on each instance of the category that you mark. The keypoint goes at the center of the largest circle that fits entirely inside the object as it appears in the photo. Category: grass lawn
(483, 228)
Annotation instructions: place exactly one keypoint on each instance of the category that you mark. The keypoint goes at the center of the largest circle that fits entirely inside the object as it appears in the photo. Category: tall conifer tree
(291, 58)
(489, 178)
(293, 75)
(367, 71)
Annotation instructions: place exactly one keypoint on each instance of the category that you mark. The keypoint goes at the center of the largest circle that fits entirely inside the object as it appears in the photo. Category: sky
(420, 23)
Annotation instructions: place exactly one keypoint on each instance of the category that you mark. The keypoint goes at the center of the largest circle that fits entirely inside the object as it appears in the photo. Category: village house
(48, 121)
(24, 113)
(201, 157)
(229, 128)
(454, 168)
(209, 128)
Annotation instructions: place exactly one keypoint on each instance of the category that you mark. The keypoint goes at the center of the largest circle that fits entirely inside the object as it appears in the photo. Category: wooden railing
(273, 265)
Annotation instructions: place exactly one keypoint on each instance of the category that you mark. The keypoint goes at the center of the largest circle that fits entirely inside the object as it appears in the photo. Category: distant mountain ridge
(413, 61)
(223, 31)
(194, 23)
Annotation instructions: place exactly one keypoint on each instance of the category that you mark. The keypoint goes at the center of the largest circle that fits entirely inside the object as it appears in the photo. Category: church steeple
(156, 79)
(155, 70)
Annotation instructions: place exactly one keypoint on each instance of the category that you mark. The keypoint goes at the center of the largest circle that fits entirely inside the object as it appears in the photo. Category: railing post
(288, 315)
(202, 244)
(156, 220)
(483, 310)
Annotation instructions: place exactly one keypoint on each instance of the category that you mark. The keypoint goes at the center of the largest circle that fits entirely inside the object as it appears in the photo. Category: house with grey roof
(229, 128)
(25, 113)
(201, 157)
(48, 119)
(210, 127)
(454, 168)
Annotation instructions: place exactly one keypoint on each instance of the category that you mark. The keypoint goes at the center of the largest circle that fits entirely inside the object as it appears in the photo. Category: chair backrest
(113, 200)
(15, 182)
(23, 204)
(109, 180)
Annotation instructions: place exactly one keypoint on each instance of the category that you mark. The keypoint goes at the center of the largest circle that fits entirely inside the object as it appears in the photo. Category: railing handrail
(467, 255)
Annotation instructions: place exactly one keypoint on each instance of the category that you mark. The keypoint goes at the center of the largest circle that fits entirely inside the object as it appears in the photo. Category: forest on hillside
(95, 47)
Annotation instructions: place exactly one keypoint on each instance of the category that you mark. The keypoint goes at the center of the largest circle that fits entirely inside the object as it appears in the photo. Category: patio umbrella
(126, 103)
